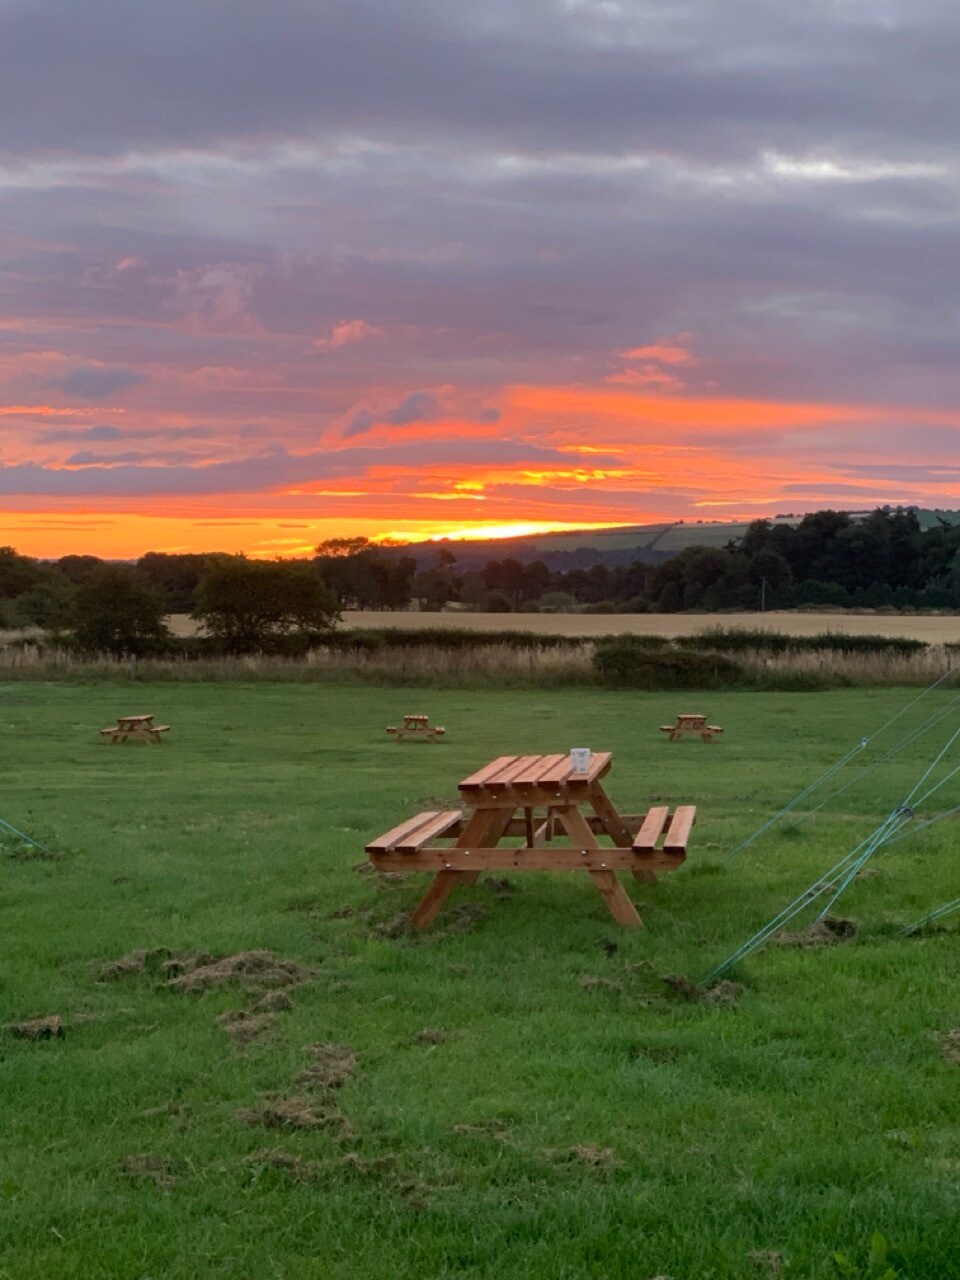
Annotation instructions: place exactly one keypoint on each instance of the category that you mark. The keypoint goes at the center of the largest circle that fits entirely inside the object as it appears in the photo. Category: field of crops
(936, 629)
(516, 1092)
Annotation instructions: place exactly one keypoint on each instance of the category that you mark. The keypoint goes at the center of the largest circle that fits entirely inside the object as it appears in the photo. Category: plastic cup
(580, 759)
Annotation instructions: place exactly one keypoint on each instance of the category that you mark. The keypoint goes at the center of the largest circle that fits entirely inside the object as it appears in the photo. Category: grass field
(527, 1097)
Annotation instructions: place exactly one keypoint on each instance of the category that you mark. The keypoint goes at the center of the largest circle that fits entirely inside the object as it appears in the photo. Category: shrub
(622, 661)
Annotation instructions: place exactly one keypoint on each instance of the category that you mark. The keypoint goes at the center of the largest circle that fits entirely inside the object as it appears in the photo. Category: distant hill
(626, 544)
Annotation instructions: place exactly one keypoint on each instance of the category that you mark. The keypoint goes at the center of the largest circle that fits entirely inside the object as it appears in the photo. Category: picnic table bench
(690, 724)
(536, 798)
(140, 728)
(417, 728)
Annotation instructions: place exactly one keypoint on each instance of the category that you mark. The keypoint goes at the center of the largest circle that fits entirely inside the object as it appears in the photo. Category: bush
(622, 660)
(740, 641)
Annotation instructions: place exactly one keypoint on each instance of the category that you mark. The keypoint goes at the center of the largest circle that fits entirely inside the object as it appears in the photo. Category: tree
(174, 577)
(17, 573)
(247, 605)
(117, 614)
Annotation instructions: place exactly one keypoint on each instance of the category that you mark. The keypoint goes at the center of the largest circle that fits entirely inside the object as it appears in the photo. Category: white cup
(580, 759)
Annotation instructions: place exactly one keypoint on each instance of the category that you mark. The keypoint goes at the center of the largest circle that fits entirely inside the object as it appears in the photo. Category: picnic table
(690, 724)
(139, 728)
(536, 798)
(418, 728)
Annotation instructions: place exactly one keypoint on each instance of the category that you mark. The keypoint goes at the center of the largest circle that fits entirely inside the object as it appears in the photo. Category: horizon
(555, 265)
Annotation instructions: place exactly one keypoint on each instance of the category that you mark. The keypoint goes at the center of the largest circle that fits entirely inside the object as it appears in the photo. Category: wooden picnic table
(418, 728)
(690, 724)
(536, 798)
(139, 728)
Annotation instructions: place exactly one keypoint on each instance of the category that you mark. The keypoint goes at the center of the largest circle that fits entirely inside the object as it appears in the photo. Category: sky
(273, 273)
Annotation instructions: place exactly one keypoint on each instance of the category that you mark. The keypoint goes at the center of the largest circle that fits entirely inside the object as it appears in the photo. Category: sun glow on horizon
(483, 532)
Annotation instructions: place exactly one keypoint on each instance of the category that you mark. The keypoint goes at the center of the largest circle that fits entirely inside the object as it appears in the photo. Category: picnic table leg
(484, 827)
(613, 825)
(614, 894)
(606, 811)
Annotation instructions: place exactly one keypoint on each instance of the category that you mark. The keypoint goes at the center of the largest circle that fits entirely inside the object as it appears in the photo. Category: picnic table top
(133, 719)
(509, 775)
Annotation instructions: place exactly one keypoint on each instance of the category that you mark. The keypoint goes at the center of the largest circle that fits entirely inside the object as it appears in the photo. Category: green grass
(813, 1113)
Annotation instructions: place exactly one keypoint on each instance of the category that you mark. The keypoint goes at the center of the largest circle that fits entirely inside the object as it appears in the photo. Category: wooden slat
(435, 827)
(650, 829)
(488, 771)
(392, 837)
(557, 774)
(525, 858)
(679, 831)
(507, 775)
(536, 771)
(599, 764)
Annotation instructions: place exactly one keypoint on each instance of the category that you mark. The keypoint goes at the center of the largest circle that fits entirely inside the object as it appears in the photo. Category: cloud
(415, 406)
(98, 382)
(661, 353)
(84, 433)
(348, 331)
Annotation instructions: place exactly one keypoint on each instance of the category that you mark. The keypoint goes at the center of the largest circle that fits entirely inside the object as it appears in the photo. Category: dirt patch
(950, 1045)
(277, 1001)
(160, 961)
(295, 1168)
(720, 993)
(597, 1157)
(132, 963)
(147, 1167)
(869, 873)
(431, 1035)
(462, 919)
(499, 886)
(243, 1027)
(253, 968)
(49, 1028)
(364, 868)
(591, 982)
(608, 945)
(343, 913)
(768, 1261)
(488, 1129)
(331, 1067)
(823, 933)
(396, 927)
(295, 1112)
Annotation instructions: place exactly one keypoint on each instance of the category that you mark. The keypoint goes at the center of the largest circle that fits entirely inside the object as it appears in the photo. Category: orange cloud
(662, 352)
(348, 331)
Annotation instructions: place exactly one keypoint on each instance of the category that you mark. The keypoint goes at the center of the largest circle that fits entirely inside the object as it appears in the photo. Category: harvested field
(939, 629)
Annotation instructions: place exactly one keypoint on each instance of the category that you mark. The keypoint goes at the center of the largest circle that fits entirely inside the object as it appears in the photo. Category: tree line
(827, 559)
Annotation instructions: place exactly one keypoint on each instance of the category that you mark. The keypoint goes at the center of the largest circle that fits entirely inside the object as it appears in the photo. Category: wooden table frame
(536, 797)
(140, 728)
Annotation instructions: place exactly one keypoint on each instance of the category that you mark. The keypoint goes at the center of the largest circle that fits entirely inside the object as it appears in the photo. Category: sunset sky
(271, 273)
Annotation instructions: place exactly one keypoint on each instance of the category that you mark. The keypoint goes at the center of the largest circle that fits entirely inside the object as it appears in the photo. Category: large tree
(116, 613)
(248, 605)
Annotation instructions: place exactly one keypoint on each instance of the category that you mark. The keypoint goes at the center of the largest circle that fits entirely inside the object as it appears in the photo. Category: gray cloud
(81, 433)
(98, 383)
(99, 476)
